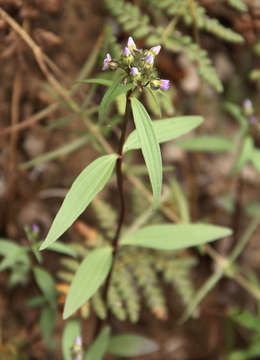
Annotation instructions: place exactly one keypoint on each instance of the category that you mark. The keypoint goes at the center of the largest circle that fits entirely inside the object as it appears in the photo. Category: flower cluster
(139, 66)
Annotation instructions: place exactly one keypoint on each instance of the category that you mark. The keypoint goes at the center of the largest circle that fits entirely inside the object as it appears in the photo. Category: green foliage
(71, 331)
(98, 348)
(131, 345)
(149, 145)
(16, 259)
(46, 283)
(239, 5)
(165, 130)
(116, 89)
(174, 237)
(137, 276)
(207, 143)
(250, 323)
(88, 278)
(89, 182)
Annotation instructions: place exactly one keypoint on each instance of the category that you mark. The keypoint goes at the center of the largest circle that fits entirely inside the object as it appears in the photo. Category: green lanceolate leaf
(99, 346)
(46, 284)
(47, 323)
(129, 345)
(70, 333)
(116, 89)
(208, 143)
(175, 237)
(89, 277)
(89, 182)
(165, 130)
(149, 145)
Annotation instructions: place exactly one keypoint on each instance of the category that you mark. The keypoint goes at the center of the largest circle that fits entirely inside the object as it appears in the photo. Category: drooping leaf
(165, 130)
(46, 283)
(89, 182)
(149, 145)
(116, 89)
(175, 237)
(98, 348)
(206, 143)
(89, 277)
(129, 345)
(70, 333)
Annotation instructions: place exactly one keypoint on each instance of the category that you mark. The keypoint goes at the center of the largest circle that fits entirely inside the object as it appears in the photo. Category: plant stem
(120, 183)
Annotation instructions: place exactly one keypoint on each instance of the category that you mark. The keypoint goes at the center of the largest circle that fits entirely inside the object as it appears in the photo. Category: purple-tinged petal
(126, 52)
(106, 61)
(149, 59)
(134, 71)
(164, 84)
(35, 228)
(78, 341)
(131, 44)
(156, 49)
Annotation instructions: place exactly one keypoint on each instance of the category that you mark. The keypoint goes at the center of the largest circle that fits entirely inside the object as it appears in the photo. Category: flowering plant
(137, 71)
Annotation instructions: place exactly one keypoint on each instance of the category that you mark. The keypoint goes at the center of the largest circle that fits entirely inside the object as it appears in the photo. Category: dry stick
(15, 111)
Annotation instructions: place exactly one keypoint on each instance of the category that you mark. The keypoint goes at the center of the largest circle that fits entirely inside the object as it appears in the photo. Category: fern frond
(238, 5)
(127, 289)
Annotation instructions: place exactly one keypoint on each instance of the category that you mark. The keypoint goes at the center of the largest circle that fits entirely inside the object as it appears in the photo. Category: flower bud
(131, 44)
(248, 107)
(149, 60)
(128, 57)
(155, 50)
(134, 72)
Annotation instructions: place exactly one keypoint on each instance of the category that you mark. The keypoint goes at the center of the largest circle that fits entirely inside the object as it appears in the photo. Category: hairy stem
(120, 186)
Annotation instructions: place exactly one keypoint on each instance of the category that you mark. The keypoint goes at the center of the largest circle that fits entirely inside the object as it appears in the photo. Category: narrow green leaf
(149, 145)
(46, 283)
(206, 143)
(70, 333)
(98, 348)
(61, 248)
(47, 323)
(89, 182)
(111, 94)
(175, 237)
(128, 345)
(165, 130)
(89, 277)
